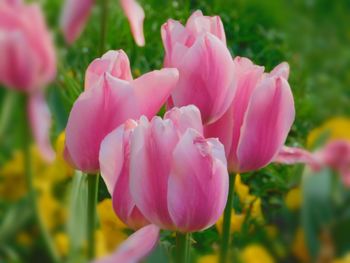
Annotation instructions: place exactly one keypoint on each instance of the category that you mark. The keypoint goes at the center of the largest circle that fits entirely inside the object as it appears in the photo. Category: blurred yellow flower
(100, 244)
(62, 243)
(272, 231)
(335, 128)
(209, 259)
(345, 259)
(237, 221)
(293, 199)
(299, 248)
(46, 176)
(12, 182)
(241, 189)
(136, 72)
(112, 229)
(24, 239)
(256, 211)
(52, 212)
(256, 254)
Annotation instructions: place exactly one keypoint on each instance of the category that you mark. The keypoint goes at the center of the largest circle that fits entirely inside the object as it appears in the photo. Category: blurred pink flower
(135, 248)
(167, 171)
(28, 63)
(111, 97)
(258, 121)
(335, 154)
(76, 12)
(198, 50)
(28, 60)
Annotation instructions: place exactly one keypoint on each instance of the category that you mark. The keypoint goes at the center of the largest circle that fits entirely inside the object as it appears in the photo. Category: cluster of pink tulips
(225, 115)
(172, 173)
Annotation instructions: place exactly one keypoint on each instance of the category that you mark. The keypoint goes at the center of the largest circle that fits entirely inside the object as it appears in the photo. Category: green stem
(28, 169)
(227, 221)
(183, 245)
(103, 25)
(91, 213)
(6, 111)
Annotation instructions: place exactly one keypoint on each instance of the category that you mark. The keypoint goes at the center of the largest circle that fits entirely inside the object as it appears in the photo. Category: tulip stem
(91, 213)
(28, 170)
(227, 221)
(6, 111)
(103, 28)
(183, 245)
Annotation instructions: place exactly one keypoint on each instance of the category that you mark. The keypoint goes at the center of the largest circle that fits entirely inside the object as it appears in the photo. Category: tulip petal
(281, 70)
(14, 51)
(336, 154)
(205, 78)
(100, 105)
(268, 119)
(185, 117)
(135, 15)
(198, 179)
(153, 89)
(114, 164)
(222, 129)
(136, 247)
(40, 122)
(73, 18)
(111, 157)
(198, 24)
(151, 152)
(116, 63)
(172, 32)
(248, 75)
(293, 155)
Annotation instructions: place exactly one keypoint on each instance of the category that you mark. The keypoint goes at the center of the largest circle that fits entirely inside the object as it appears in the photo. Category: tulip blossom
(198, 50)
(76, 12)
(335, 154)
(28, 63)
(167, 171)
(257, 123)
(110, 98)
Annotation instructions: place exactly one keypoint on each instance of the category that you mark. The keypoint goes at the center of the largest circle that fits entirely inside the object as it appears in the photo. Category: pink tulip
(165, 163)
(168, 172)
(109, 101)
(335, 154)
(76, 13)
(74, 16)
(257, 123)
(198, 50)
(115, 161)
(136, 247)
(28, 63)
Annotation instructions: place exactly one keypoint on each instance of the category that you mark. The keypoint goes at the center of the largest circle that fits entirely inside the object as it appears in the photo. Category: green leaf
(316, 212)
(15, 218)
(159, 254)
(77, 222)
